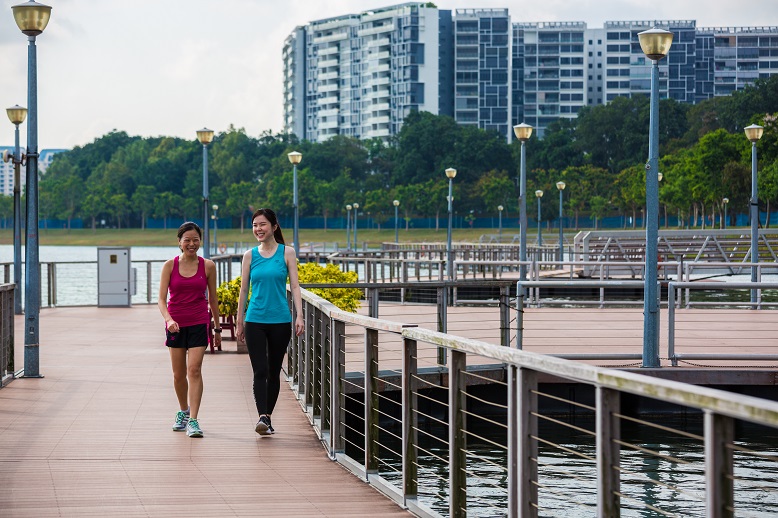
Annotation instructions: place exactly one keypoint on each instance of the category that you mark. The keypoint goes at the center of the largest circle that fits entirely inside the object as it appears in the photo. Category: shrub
(346, 299)
(228, 293)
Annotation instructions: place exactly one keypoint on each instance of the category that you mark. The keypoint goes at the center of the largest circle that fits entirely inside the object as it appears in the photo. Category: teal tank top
(268, 304)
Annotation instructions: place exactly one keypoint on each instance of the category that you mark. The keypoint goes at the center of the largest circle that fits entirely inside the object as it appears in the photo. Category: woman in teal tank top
(266, 324)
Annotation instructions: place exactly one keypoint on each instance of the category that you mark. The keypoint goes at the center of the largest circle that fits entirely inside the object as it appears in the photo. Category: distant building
(361, 74)
(7, 169)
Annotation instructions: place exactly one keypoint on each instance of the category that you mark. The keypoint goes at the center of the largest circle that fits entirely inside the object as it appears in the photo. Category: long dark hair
(273, 219)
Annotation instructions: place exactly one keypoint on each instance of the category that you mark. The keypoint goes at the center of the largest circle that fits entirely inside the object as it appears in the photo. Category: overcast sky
(170, 67)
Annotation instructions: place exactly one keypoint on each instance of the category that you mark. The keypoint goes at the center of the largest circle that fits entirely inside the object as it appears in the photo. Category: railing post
(316, 349)
(528, 447)
(505, 316)
(456, 435)
(148, 282)
(513, 442)
(372, 302)
(52, 284)
(337, 397)
(719, 468)
(442, 320)
(326, 372)
(409, 421)
(519, 315)
(608, 451)
(371, 402)
(671, 324)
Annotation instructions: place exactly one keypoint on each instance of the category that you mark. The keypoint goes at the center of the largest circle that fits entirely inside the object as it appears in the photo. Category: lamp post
(356, 212)
(450, 174)
(754, 133)
(499, 222)
(32, 18)
(725, 201)
(561, 187)
(655, 44)
(215, 218)
(348, 227)
(538, 195)
(396, 204)
(523, 132)
(205, 136)
(294, 158)
(17, 114)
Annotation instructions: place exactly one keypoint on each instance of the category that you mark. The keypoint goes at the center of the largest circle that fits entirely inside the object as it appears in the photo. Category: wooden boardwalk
(94, 438)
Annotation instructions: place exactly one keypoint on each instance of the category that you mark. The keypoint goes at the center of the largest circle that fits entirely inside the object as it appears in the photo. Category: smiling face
(189, 242)
(263, 230)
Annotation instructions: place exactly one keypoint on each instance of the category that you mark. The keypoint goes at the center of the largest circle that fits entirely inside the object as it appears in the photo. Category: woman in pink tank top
(191, 282)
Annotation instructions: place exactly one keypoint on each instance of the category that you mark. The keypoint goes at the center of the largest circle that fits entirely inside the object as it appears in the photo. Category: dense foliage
(600, 155)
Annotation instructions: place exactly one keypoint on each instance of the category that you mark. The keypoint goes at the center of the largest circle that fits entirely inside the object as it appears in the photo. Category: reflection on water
(670, 484)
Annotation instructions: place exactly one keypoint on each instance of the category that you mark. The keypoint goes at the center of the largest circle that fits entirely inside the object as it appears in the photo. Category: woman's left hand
(299, 326)
(217, 340)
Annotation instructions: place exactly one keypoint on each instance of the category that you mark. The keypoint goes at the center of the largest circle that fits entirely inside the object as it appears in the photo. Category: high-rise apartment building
(730, 58)
(554, 71)
(361, 74)
(628, 71)
(482, 69)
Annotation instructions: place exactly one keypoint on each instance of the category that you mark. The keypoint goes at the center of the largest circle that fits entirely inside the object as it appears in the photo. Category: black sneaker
(270, 426)
(263, 426)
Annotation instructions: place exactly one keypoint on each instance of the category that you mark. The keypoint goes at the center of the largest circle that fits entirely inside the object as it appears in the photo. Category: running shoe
(263, 426)
(193, 428)
(182, 418)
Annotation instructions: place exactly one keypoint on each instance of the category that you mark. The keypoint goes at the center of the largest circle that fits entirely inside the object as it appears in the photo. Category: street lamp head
(523, 131)
(655, 43)
(396, 203)
(500, 208)
(753, 132)
(31, 17)
(215, 207)
(356, 206)
(348, 207)
(205, 136)
(725, 201)
(660, 176)
(451, 172)
(560, 186)
(213, 217)
(16, 114)
(539, 193)
(295, 157)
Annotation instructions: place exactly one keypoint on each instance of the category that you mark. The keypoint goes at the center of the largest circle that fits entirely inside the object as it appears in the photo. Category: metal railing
(417, 434)
(7, 365)
(674, 289)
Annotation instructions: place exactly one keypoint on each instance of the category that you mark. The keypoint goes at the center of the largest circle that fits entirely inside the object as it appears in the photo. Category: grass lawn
(159, 237)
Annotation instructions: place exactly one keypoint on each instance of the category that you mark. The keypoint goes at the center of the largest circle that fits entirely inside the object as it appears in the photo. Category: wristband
(217, 330)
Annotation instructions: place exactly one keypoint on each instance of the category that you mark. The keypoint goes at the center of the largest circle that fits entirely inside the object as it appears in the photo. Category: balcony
(375, 30)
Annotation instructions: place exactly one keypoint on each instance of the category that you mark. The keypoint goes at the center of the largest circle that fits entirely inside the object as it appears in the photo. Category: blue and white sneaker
(193, 428)
(182, 418)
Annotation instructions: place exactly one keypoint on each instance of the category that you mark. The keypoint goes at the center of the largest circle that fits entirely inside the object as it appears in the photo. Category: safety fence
(7, 365)
(459, 440)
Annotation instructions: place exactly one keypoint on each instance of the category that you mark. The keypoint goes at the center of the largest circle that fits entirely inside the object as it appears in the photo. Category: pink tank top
(188, 304)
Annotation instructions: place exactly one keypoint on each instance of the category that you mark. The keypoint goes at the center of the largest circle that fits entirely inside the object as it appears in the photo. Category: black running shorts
(188, 336)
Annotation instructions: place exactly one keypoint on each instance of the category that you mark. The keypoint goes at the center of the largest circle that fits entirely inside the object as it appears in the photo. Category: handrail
(671, 317)
(317, 374)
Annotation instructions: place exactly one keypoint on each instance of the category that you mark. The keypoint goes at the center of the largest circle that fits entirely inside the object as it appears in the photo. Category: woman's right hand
(172, 326)
(240, 332)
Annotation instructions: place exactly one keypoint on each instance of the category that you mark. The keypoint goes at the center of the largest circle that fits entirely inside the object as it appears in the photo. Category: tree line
(600, 155)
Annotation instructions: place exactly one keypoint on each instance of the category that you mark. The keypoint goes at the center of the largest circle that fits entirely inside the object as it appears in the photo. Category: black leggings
(267, 345)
